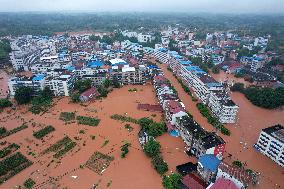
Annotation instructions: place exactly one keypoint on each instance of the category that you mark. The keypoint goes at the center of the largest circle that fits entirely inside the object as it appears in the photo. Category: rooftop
(236, 172)
(209, 161)
(222, 183)
(191, 181)
(276, 131)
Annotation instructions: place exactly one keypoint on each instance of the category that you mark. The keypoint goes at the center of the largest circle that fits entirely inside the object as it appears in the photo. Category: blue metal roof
(214, 84)
(209, 161)
(185, 62)
(70, 68)
(38, 77)
(195, 69)
(95, 64)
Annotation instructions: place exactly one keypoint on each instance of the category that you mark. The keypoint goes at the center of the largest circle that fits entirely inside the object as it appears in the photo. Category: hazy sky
(228, 6)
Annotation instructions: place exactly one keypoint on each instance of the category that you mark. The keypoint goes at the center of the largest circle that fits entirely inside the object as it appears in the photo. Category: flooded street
(251, 119)
(3, 84)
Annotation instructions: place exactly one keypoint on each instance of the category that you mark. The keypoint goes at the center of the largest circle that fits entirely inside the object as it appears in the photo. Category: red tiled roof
(150, 107)
(222, 183)
(193, 182)
(240, 174)
(89, 92)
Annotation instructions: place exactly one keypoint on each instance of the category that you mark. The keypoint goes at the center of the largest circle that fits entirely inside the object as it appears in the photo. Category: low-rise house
(222, 183)
(89, 94)
(240, 177)
(173, 110)
(192, 181)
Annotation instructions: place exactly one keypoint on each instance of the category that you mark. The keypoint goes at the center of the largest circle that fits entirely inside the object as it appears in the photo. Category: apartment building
(128, 75)
(61, 85)
(22, 61)
(271, 143)
(37, 83)
(144, 38)
(223, 107)
(198, 141)
(162, 55)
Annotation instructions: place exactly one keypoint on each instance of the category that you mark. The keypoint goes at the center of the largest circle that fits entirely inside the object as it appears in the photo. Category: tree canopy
(24, 95)
(152, 148)
(172, 181)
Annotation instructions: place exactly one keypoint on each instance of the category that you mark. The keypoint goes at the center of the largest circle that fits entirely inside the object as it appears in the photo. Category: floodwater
(251, 119)
(3, 84)
(134, 171)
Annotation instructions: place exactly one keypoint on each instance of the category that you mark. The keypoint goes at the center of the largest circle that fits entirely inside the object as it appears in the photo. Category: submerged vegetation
(263, 97)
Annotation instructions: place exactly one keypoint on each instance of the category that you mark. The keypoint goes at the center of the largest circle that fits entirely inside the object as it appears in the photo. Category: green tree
(94, 38)
(75, 97)
(152, 148)
(83, 85)
(107, 83)
(238, 87)
(5, 103)
(216, 70)
(172, 181)
(160, 165)
(103, 91)
(23, 95)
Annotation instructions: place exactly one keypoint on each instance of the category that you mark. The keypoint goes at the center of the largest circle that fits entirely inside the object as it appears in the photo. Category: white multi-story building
(144, 38)
(62, 85)
(23, 60)
(162, 55)
(37, 83)
(223, 107)
(271, 143)
(129, 34)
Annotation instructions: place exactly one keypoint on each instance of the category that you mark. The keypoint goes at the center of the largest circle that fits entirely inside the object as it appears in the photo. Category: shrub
(238, 163)
(212, 120)
(124, 149)
(29, 183)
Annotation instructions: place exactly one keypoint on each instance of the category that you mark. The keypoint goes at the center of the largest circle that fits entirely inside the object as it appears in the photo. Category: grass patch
(8, 150)
(6, 133)
(132, 90)
(98, 162)
(93, 137)
(67, 116)
(43, 132)
(124, 149)
(123, 118)
(105, 143)
(128, 127)
(12, 165)
(88, 121)
(109, 183)
(61, 147)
